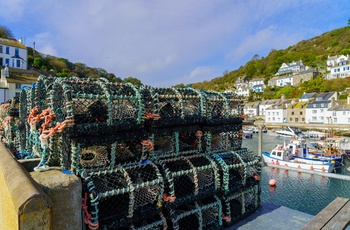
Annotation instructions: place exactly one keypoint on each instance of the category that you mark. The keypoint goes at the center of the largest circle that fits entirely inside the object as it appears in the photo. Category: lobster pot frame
(175, 141)
(9, 113)
(96, 106)
(234, 169)
(42, 88)
(125, 195)
(218, 110)
(189, 179)
(173, 106)
(235, 104)
(239, 205)
(25, 105)
(222, 138)
(106, 152)
(204, 214)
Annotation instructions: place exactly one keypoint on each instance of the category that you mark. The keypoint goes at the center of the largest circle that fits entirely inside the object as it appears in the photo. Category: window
(16, 52)
(314, 105)
(1, 60)
(291, 119)
(7, 50)
(348, 120)
(314, 118)
(344, 112)
(292, 113)
(322, 105)
(18, 63)
(18, 86)
(279, 154)
(1, 51)
(321, 111)
(296, 119)
(301, 112)
(335, 120)
(314, 111)
(303, 119)
(7, 61)
(18, 94)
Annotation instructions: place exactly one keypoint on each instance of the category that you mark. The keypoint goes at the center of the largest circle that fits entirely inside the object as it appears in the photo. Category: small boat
(290, 132)
(247, 133)
(291, 156)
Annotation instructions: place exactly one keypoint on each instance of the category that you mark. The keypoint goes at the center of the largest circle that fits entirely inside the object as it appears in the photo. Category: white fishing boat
(290, 156)
(289, 132)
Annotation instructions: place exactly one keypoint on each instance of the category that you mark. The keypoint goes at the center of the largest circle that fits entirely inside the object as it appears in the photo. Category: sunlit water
(299, 191)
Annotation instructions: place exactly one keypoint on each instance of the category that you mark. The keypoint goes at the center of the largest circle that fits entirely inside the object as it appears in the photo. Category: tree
(133, 81)
(5, 32)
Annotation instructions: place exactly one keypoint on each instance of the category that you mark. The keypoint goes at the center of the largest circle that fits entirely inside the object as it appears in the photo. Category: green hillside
(312, 52)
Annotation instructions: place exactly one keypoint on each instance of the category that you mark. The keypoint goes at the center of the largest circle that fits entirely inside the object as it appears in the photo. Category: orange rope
(149, 115)
(148, 144)
(166, 197)
(88, 215)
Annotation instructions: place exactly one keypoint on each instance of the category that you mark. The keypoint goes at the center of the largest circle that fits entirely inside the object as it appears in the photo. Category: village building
(316, 109)
(13, 53)
(296, 112)
(293, 67)
(339, 67)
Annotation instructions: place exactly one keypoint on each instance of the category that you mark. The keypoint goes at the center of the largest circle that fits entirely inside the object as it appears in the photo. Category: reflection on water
(299, 191)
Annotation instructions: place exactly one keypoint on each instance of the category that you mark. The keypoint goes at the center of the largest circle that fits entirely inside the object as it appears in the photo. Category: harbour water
(304, 192)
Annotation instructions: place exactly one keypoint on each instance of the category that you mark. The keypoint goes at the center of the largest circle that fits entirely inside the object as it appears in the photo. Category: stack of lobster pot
(149, 158)
(238, 167)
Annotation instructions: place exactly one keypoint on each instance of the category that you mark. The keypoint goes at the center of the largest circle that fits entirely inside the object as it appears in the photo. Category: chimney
(332, 102)
(283, 97)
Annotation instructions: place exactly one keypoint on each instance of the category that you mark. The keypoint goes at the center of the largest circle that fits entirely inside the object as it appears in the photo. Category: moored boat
(286, 156)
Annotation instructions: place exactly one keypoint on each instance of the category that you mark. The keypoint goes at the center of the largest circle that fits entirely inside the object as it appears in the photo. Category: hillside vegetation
(313, 52)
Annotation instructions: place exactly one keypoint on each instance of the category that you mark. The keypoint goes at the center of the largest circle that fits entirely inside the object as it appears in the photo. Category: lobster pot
(232, 171)
(175, 141)
(222, 138)
(106, 152)
(9, 115)
(253, 166)
(41, 90)
(204, 214)
(172, 107)
(235, 104)
(125, 195)
(96, 106)
(239, 205)
(218, 110)
(26, 99)
(189, 179)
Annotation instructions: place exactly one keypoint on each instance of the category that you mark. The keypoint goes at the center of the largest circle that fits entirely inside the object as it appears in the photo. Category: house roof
(307, 96)
(298, 105)
(12, 42)
(22, 79)
(324, 96)
(340, 105)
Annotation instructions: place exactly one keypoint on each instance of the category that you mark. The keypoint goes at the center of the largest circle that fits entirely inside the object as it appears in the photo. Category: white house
(339, 113)
(281, 81)
(13, 53)
(277, 113)
(339, 67)
(266, 104)
(292, 67)
(242, 91)
(11, 84)
(251, 109)
(316, 110)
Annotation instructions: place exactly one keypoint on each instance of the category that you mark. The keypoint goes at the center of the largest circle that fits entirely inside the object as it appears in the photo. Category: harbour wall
(37, 200)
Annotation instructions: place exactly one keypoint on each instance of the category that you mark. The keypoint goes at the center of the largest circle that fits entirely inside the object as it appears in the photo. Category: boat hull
(317, 166)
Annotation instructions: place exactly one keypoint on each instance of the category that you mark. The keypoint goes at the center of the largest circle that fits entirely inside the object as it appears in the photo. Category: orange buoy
(299, 167)
(272, 182)
(277, 163)
(286, 165)
(311, 167)
(323, 170)
(272, 162)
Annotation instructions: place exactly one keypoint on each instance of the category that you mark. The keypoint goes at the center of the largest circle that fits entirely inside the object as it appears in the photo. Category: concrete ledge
(23, 205)
(65, 192)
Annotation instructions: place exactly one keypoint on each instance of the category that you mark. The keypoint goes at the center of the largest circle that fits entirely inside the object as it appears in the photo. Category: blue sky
(163, 42)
